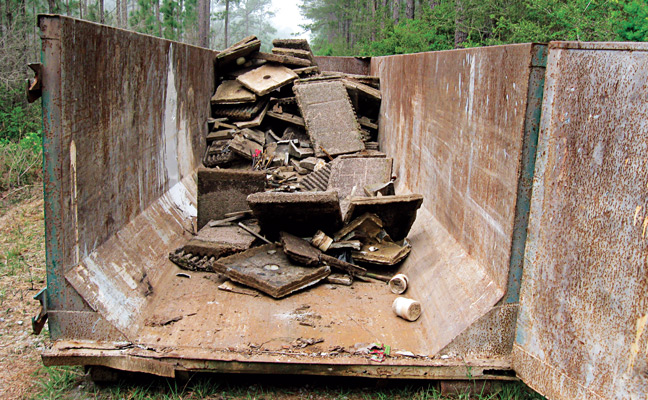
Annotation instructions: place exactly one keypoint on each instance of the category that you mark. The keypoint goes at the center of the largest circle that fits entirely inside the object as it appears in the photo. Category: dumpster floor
(343, 316)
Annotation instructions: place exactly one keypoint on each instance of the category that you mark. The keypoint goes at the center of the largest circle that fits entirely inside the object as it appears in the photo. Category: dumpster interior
(457, 127)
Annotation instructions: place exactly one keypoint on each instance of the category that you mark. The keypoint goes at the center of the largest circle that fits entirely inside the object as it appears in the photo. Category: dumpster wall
(582, 331)
(125, 117)
(121, 196)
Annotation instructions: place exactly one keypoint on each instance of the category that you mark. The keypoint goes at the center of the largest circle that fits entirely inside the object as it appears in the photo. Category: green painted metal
(529, 147)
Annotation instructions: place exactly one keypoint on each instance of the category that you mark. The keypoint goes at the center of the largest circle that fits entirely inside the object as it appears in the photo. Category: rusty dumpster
(528, 254)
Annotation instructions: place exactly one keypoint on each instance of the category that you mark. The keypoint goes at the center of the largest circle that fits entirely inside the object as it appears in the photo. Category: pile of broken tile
(294, 189)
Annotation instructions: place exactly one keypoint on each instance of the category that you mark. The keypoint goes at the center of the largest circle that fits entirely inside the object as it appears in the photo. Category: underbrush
(21, 170)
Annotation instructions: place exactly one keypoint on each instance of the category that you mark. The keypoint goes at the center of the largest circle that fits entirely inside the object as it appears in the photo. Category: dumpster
(124, 119)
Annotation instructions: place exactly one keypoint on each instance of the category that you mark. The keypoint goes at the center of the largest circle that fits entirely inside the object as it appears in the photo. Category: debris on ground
(295, 186)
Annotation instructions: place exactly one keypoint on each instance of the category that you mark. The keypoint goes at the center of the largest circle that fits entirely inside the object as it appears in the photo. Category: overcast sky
(287, 19)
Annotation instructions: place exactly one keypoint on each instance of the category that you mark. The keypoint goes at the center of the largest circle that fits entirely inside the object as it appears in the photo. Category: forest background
(335, 27)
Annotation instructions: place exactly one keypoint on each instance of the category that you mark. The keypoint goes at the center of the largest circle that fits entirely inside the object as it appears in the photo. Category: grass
(71, 383)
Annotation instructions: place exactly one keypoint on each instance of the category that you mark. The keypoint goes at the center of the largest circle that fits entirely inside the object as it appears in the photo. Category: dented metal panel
(124, 116)
(581, 332)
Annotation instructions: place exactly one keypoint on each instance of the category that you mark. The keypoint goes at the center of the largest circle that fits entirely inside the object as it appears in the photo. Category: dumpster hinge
(38, 322)
(34, 87)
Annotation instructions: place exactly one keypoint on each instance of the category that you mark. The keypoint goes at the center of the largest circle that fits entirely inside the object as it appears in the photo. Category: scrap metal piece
(232, 92)
(330, 120)
(267, 78)
(268, 269)
(298, 213)
(397, 213)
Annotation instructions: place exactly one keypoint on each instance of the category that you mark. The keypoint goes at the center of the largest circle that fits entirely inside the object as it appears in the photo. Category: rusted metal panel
(348, 65)
(458, 126)
(123, 355)
(82, 325)
(125, 121)
(581, 332)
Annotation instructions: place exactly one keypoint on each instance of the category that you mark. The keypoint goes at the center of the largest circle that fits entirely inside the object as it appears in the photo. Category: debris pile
(295, 190)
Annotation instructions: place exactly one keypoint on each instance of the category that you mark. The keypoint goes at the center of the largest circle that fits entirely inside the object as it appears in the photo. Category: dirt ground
(22, 275)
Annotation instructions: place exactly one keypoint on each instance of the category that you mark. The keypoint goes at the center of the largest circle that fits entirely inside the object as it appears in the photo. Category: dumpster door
(582, 330)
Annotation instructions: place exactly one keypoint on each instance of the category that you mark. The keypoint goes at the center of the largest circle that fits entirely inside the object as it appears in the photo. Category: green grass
(71, 383)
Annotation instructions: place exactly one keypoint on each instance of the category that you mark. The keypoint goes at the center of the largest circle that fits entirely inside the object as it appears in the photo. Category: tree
(203, 22)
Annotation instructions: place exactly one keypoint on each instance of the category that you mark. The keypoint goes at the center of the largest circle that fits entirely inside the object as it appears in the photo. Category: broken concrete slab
(298, 213)
(349, 176)
(299, 250)
(268, 269)
(397, 213)
(310, 162)
(363, 90)
(330, 120)
(232, 92)
(299, 152)
(267, 78)
(224, 191)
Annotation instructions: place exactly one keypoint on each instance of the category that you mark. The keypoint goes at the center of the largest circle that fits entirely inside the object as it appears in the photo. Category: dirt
(22, 275)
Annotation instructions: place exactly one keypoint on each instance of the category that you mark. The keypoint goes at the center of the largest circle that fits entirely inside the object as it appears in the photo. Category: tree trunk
(158, 22)
(118, 13)
(51, 5)
(396, 11)
(226, 21)
(101, 12)
(409, 9)
(203, 24)
(461, 33)
(124, 11)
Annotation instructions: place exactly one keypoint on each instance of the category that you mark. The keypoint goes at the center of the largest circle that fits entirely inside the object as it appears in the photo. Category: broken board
(397, 213)
(329, 117)
(267, 78)
(298, 213)
(232, 92)
(268, 269)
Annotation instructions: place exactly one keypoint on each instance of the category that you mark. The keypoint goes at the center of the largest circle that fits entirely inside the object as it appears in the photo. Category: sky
(287, 19)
